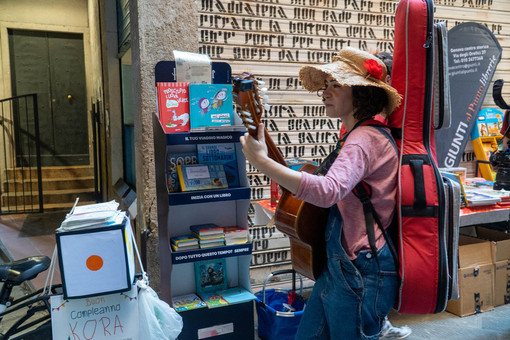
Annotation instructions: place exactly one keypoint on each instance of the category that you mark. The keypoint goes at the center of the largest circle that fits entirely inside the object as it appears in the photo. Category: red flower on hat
(373, 68)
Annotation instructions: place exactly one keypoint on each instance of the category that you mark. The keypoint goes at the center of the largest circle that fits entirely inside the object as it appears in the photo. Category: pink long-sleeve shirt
(366, 155)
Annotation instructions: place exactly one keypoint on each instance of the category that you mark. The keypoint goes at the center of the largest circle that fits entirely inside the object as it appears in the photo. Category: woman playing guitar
(357, 287)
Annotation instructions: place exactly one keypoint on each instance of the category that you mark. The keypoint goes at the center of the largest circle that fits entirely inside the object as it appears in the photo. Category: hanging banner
(473, 55)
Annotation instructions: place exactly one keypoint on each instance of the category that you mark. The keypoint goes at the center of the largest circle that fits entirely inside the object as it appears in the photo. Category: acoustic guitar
(302, 222)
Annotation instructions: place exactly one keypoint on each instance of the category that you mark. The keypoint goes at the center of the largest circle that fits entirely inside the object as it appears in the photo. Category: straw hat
(351, 67)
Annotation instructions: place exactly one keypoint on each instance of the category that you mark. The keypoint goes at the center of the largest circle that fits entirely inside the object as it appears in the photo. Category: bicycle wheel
(42, 332)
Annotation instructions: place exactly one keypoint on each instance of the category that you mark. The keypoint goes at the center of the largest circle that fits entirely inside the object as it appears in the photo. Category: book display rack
(226, 266)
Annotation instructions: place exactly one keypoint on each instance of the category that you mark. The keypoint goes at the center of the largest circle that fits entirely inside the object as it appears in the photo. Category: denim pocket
(386, 293)
(388, 281)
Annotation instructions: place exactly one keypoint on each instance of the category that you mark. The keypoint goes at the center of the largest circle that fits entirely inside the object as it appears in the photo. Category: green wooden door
(52, 65)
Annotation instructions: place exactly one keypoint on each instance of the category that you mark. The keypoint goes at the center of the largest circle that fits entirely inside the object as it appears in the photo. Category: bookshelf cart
(178, 211)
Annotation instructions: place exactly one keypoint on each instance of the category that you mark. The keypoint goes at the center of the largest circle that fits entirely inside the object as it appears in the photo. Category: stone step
(49, 184)
(49, 172)
(65, 206)
(47, 207)
(49, 197)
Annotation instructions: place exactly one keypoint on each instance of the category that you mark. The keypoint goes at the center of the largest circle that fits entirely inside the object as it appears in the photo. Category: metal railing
(20, 156)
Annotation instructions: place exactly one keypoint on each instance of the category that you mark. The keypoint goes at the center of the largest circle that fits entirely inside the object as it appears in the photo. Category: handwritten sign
(112, 317)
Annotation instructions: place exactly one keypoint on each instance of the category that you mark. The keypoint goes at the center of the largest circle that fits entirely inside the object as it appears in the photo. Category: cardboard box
(501, 283)
(476, 276)
(96, 261)
(500, 242)
(500, 250)
(473, 251)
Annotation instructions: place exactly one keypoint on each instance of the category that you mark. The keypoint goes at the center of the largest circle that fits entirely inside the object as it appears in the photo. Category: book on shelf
(209, 235)
(221, 153)
(172, 160)
(184, 239)
(205, 245)
(236, 295)
(187, 302)
(214, 237)
(210, 276)
(173, 106)
(184, 242)
(201, 177)
(184, 247)
(206, 229)
(211, 105)
(235, 235)
(457, 178)
(476, 199)
(213, 300)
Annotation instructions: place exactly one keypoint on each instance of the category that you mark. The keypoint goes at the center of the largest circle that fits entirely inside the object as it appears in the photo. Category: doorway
(51, 64)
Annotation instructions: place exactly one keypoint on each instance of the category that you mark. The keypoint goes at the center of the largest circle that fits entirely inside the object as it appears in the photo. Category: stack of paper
(184, 242)
(235, 235)
(93, 215)
(209, 235)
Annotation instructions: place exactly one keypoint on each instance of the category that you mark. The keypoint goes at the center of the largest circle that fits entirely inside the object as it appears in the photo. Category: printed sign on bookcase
(173, 106)
(211, 105)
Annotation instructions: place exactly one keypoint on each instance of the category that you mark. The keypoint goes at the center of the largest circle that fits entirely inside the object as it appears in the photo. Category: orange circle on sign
(94, 262)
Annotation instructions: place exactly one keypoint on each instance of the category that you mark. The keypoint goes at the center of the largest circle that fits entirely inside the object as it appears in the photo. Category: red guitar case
(421, 234)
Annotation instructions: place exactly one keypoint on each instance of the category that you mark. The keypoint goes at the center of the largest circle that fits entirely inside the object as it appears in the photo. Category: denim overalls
(350, 298)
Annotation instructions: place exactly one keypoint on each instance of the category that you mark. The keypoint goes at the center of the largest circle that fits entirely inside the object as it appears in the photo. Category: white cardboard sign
(112, 317)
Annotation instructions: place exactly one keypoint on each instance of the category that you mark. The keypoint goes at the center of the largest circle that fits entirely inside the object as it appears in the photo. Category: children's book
(187, 302)
(213, 300)
(173, 106)
(201, 177)
(174, 159)
(210, 276)
(211, 105)
(221, 153)
(236, 295)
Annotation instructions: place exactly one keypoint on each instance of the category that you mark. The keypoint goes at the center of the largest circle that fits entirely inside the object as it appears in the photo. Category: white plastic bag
(157, 319)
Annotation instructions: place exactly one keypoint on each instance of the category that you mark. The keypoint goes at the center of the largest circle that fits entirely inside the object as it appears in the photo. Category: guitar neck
(272, 150)
(251, 105)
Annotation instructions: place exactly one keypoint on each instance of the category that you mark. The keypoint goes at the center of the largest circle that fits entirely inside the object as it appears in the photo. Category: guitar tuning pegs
(263, 90)
(265, 99)
(267, 106)
(261, 82)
